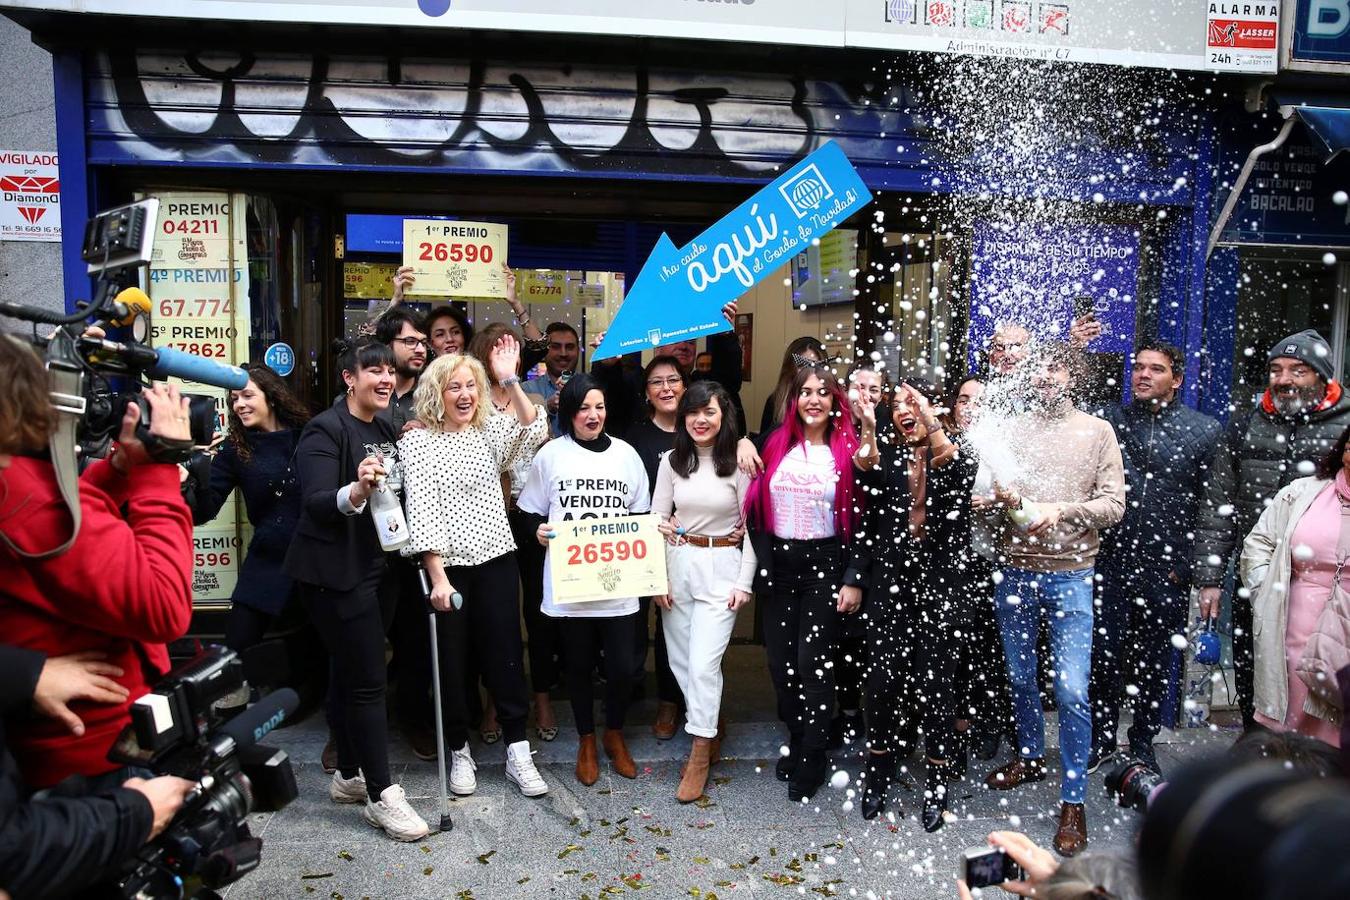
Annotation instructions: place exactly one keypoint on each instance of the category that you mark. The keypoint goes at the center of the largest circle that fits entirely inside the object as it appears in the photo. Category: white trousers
(698, 627)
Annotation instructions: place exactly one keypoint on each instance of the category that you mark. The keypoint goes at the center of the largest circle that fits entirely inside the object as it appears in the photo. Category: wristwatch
(508, 382)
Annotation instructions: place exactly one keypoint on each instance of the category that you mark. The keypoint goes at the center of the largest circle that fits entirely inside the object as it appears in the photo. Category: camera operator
(56, 846)
(122, 589)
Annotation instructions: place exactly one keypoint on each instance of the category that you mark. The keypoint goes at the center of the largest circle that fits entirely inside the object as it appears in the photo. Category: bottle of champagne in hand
(390, 523)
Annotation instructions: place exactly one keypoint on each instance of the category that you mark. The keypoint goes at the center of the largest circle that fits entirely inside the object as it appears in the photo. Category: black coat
(59, 846)
(1167, 464)
(331, 549)
(1257, 456)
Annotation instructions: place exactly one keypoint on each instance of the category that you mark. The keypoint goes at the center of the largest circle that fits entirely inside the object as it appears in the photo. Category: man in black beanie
(1300, 416)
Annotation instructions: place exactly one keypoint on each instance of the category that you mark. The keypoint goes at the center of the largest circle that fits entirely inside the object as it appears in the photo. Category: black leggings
(411, 643)
(585, 637)
(490, 619)
(981, 675)
(541, 630)
(913, 669)
(356, 646)
(245, 627)
(801, 625)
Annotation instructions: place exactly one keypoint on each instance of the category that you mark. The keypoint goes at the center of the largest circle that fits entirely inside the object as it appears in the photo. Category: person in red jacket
(123, 589)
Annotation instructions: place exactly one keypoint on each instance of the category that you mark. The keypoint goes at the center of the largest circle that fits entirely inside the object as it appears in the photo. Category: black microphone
(254, 723)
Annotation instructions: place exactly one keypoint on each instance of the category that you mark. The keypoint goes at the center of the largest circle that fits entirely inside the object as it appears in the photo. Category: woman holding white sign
(699, 496)
(452, 471)
(586, 474)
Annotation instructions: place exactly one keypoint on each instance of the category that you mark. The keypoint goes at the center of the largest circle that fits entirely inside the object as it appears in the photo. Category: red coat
(124, 588)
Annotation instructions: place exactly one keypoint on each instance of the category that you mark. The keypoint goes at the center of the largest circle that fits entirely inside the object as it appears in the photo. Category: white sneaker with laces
(520, 769)
(462, 767)
(392, 813)
(348, 790)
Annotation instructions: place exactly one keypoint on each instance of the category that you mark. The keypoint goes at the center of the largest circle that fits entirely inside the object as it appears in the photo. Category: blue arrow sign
(680, 292)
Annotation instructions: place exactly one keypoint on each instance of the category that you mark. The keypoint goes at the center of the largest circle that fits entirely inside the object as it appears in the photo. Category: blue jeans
(1066, 598)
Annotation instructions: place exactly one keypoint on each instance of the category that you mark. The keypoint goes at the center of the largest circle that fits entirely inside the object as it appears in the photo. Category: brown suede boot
(618, 754)
(588, 764)
(667, 718)
(1071, 836)
(695, 775)
(715, 752)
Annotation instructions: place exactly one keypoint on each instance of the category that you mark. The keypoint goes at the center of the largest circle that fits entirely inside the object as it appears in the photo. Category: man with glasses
(560, 359)
(404, 330)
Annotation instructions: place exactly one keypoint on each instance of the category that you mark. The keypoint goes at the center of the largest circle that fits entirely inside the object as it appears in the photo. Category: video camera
(94, 377)
(174, 731)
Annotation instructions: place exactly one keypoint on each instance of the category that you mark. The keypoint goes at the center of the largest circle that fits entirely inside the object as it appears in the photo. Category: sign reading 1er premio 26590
(455, 259)
(679, 294)
(607, 559)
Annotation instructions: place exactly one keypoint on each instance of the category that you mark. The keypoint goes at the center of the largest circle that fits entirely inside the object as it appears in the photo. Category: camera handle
(446, 823)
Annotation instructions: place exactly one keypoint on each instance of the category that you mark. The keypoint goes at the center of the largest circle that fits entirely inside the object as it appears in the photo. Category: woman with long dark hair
(801, 513)
(339, 563)
(802, 351)
(457, 522)
(902, 549)
(700, 494)
(587, 474)
(258, 458)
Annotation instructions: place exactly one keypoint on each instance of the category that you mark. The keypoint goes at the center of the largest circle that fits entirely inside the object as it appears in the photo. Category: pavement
(620, 837)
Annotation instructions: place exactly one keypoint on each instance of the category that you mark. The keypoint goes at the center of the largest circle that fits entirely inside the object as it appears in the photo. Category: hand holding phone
(987, 866)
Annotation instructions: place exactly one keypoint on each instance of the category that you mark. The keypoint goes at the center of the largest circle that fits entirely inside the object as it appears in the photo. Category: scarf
(1343, 486)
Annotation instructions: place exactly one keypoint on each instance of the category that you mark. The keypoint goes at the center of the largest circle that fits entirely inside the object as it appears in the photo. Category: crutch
(446, 823)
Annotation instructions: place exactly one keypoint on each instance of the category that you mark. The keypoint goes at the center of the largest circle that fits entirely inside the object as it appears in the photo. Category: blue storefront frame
(84, 99)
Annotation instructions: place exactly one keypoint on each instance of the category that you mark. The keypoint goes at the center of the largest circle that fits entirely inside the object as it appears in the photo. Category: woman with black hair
(699, 496)
(900, 552)
(801, 352)
(589, 475)
(336, 558)
(258, 458)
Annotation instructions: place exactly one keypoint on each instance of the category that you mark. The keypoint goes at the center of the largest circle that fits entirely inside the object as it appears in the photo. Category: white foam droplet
(1340, 198)
(1329, 259)
(1306, 467)
(784, 750)
(1303, 552)
(1179, 641)
(839, 780)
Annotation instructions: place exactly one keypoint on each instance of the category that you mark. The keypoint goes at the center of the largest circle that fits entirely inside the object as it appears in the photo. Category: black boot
(959, 754)
(786, 765)
(880, 771)
(935, 797)
(808, 776)
(986, 742)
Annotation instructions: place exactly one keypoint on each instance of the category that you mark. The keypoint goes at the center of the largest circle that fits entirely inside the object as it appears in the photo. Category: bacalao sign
(1160, 33)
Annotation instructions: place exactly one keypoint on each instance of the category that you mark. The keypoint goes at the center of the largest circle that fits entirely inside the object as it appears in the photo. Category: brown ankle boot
(588, 764)
(667, 716)
(715, 751)
(618, 754)
(695, 775)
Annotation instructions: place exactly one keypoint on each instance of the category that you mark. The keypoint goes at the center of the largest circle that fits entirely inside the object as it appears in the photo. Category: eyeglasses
(668, 381)
(410, 343)
(1011, 347)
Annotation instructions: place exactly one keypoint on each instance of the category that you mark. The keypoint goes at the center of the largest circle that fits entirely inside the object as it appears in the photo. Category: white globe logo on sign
(805, 191)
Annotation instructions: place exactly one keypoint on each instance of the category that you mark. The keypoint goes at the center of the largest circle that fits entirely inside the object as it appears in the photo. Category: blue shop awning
(1326, 116)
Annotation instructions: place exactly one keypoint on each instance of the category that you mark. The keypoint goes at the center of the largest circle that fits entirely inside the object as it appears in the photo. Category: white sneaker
(392, 813)
(520, 769)
(348, 790)
(462, 767)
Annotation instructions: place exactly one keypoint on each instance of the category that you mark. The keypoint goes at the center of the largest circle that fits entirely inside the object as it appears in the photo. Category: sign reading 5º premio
(607, 559)
(456, 259)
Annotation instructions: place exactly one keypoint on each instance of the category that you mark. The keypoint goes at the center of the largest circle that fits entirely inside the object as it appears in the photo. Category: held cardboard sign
(456, 259)
(680, 292)
(607, 559)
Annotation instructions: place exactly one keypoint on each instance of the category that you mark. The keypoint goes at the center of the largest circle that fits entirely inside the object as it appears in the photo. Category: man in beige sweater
(1069, 483)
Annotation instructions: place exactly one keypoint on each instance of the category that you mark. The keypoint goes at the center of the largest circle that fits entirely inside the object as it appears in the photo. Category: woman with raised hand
(700, 495)
(801, 513)
(337, 559)
(901, 554)
(457, 524)
(589, 475)
(258, 458)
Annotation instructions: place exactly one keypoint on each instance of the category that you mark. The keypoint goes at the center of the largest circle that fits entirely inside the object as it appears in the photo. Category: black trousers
(850, 661)
(1139, 611)
(245, 627)
(541, 630)
(667, 688)
(411, 644)
(355, 644)
(981, 675)
(585, 637)
(1244, 650)
(489, 621)
(801, 625)
(912, 677)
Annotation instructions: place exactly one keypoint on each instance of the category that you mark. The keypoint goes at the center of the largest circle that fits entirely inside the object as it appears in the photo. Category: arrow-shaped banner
(680, 292)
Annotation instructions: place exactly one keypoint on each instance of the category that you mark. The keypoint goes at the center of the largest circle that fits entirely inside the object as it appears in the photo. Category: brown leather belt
(704, 540)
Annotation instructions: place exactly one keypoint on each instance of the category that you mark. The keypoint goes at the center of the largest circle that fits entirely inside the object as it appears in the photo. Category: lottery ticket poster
(198, 287)
(607, 559)
(456, 259)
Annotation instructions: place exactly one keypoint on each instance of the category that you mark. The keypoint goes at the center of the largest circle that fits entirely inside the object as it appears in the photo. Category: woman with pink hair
(801, 513)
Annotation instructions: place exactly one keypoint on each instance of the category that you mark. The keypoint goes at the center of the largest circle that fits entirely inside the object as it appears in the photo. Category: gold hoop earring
(350, 390)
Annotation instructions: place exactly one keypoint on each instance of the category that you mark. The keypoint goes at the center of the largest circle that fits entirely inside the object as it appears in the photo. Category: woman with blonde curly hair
(457, 524)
